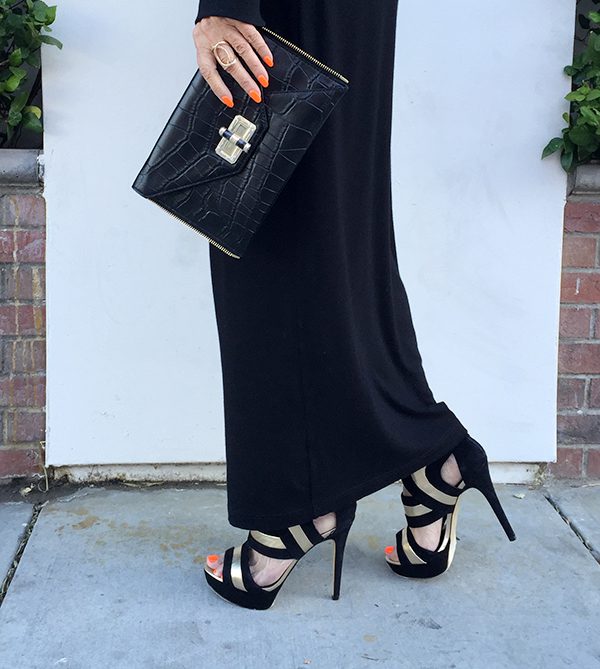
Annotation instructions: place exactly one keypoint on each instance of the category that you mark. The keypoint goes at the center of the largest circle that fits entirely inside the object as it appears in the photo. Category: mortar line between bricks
(573, 527)
(5, 585)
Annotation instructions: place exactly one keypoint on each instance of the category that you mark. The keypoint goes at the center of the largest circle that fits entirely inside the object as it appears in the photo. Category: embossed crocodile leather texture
(228, 201)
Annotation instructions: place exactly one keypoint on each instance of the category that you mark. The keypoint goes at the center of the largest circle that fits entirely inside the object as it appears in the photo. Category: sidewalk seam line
(23, 540)
(576, 531)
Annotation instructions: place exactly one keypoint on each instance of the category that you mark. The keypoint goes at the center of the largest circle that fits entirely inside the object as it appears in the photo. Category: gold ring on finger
(226, 47)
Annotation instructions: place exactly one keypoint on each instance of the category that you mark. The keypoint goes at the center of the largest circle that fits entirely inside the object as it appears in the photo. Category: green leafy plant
(23, 24)
(580, 141)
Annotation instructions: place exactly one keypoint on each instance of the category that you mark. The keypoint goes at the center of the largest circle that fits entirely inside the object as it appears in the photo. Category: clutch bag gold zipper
(311, 58)
(305, 53)
(212, 241)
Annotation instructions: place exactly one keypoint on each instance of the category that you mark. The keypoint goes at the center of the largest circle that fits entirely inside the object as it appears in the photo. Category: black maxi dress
(325, 397)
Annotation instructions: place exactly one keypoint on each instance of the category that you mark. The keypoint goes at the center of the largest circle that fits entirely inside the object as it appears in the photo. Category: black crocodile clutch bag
(220, 169)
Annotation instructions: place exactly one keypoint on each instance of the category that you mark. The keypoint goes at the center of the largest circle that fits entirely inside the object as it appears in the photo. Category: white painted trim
(516, 472)
(502, 472)
(212, 471)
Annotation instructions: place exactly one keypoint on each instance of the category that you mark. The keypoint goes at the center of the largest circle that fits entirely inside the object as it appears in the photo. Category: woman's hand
(243, 39)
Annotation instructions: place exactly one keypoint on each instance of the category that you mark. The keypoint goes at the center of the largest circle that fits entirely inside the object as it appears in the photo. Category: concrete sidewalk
(111, 577)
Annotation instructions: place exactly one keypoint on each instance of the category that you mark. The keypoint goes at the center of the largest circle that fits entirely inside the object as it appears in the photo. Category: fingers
(208, 69)
(247, 44)
(256, 41)
(248, 56)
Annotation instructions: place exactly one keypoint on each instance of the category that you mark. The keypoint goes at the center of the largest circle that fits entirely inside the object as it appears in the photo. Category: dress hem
(299, 516)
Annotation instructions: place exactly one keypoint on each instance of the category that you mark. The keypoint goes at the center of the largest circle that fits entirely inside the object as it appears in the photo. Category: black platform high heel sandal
(433, 498)
(237, 585)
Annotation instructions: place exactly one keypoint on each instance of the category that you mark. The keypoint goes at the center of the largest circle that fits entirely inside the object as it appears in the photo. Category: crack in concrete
(573, 526)
(20, 548)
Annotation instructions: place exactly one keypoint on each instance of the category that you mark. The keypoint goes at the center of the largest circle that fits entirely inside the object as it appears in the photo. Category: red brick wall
(22, 334)
(579, 345)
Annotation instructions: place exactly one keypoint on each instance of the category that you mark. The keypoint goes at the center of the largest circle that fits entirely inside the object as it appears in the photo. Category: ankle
(450, 471)
(325, 524)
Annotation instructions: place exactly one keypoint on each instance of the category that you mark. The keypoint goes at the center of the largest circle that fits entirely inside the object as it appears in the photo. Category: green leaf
(589, 114)
(569, 146)
(566, 160)
(32, 109)
(594, 16)
(51, 14)
(11, 84)
(16, 57)
(19, 102)
(566, 117)
(553, 145)
(582, 135)
(593, 95)
(14, 118)
(39, 11)
(51, 40)
(19, 72)
(32, 122)
(34, 59)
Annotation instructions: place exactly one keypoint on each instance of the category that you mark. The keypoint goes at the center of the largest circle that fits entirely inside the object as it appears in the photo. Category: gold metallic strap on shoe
(232, 569)
(293, 542)
(412, 553)
(430, 496)
(237, 584)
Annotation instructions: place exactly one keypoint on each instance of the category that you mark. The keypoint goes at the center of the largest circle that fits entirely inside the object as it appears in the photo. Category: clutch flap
(185, 155)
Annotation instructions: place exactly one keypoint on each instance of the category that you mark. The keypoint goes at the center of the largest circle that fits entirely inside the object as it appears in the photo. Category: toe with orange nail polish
(263, 80)
(389, 549)
(255, 95)
(212, 558)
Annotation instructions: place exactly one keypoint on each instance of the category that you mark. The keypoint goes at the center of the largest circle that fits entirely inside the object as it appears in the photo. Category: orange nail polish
(263, 80)
(268, 60)
(255, 95)
(389, 549)
(215, 571)
(227, 100)
(212, 558)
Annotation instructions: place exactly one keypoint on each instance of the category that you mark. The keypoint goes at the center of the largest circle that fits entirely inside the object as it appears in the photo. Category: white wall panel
(133, 358)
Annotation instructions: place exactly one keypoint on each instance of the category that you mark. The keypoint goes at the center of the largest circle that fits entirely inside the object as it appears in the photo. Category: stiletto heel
(237, 585)
(338, 558)
(473, 464)
(432, 498)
